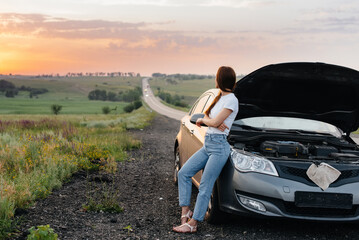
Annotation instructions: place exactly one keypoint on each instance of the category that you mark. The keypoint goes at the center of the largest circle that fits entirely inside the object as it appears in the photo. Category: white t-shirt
(228, 101)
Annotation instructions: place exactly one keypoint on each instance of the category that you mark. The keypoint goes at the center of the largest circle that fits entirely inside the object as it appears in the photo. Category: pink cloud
(47, 26)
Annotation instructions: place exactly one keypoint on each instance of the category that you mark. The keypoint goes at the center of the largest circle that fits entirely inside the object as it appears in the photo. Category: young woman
(212, 156)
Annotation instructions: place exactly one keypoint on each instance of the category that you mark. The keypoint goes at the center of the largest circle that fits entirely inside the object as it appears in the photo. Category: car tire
(176, 166)
(214, 215)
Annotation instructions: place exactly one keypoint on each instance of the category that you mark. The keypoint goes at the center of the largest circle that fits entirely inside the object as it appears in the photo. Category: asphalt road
(154, 103)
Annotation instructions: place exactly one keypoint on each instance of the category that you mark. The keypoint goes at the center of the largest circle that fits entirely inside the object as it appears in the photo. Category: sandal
(192, 229)
(188, 215)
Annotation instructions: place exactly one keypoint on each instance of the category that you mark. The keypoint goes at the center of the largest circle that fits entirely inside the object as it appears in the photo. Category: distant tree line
(11, 90)
(174, 100)
(186, 76)
(103, 74)
(123, 96)
(158, 75)
(133, 96)
(182, 76)
(48, 75)
(90, 74)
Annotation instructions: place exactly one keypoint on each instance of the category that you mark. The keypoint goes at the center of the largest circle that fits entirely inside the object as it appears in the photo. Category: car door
(188, 128)
(184, 136)
(195, 134)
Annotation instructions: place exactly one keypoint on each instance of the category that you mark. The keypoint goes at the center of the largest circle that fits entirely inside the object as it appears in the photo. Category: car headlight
(246, 162)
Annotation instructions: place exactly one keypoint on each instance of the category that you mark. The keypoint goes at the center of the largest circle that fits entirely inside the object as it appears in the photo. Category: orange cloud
(35, 43)
(38, 43)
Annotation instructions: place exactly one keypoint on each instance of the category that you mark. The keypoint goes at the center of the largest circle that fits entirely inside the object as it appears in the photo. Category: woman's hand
(218, 120)
(223, 127)
(199, 122)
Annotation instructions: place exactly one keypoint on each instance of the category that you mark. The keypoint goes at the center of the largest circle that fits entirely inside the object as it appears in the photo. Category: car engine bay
(301, 150)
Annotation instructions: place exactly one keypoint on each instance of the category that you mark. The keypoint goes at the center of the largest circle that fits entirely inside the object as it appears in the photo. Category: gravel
(150, 201)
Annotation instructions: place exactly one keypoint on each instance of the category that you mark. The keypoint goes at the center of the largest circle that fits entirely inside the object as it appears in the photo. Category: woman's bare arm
(217, 121)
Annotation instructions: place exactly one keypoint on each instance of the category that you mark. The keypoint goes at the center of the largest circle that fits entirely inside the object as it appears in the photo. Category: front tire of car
(176, 166)
(214, 215)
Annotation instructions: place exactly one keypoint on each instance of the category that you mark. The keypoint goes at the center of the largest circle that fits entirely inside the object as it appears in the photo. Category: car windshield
(287, 123)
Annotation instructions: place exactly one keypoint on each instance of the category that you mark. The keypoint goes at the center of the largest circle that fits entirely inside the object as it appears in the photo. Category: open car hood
(318, 91)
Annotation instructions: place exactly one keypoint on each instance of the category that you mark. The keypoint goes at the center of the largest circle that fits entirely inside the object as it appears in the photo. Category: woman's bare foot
(190, 227)
(186, 217)
(186, 214)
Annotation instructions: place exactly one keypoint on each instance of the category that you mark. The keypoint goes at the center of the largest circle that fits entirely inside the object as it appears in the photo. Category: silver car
(292, 117)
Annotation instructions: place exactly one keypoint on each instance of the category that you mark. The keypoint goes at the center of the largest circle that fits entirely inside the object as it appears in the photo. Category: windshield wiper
(299, 131)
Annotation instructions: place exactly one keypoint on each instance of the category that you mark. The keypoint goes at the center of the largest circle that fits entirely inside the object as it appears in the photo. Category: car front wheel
(214, 215)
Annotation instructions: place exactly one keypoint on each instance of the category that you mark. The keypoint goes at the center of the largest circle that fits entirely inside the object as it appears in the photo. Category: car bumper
(278, 196)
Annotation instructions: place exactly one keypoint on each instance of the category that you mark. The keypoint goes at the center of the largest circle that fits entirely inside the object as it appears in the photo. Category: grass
(71, 93)
(64, 87)
(135, 120)
(43, 106)
(104, 198)
(39, 152)
(190, 89)
(184, 109)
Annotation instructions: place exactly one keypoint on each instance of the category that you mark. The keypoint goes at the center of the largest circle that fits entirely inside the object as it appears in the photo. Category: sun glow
(174, 36)
(6, 64)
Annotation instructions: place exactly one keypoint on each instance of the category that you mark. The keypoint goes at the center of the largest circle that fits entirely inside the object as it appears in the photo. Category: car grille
(298, 172)
(291, 209)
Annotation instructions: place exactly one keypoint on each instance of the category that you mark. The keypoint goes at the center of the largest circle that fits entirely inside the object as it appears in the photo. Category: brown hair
(226, 81)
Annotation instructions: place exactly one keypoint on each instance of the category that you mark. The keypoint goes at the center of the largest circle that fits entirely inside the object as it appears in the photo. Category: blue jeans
(212, 157)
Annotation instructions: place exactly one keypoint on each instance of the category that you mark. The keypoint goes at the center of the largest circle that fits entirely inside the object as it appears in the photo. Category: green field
(71, 93)
(42, 106)
(190, 89)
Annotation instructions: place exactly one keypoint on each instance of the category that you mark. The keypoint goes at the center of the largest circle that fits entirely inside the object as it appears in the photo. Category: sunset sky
(174, 36)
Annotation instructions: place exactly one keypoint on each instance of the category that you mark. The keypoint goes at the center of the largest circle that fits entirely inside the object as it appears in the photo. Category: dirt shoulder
(150, 202)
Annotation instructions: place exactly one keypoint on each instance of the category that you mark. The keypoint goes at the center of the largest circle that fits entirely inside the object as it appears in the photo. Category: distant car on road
(292, 117)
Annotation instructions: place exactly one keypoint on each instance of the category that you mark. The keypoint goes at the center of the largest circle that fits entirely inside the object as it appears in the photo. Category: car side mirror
(194, 118)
